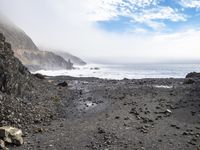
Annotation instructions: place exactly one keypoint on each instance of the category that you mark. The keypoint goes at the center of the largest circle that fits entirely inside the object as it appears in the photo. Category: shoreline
(97, 78)
(129, 72)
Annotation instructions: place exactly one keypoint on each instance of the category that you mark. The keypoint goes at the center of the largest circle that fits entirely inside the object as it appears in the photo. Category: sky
(112, 30)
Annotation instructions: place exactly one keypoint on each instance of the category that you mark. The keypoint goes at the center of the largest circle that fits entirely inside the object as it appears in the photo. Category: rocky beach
(65, 113)
(156, 114)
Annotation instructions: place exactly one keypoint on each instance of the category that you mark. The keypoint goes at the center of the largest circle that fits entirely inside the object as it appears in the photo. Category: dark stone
(193, 113)
(188, 81)
(193, 75)
(134, 111)
(63, 84)
(2, 38)
(39, 76)
(7, 45)
(117, 117)
(101, 131)
(2, 81)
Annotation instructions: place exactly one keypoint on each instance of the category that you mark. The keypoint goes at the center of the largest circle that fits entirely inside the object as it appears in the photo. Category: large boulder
(193, 75)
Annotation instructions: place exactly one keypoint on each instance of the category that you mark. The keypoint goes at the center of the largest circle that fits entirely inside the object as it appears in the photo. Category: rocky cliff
(13, 75)
(67, 56)
(37, 60)
(27, 51)
(21, 100)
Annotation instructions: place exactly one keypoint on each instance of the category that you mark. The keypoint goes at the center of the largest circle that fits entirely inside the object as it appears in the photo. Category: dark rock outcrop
(13, 75)
(21, 102)
(189, 81)
(193, 75)
(75, 60)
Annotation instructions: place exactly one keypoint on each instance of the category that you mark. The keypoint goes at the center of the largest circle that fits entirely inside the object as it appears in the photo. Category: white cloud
(150, 16)
(101, 10)
(161, 13)
(105, 10)
(190, 3)
(65, 25)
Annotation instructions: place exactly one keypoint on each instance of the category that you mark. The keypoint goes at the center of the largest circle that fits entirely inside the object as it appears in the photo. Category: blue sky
(114, 30)
(148, 15)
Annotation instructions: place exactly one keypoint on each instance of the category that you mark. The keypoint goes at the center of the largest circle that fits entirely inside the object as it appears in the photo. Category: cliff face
(67, 56)
(37, 60)
(14, 80)
(25, 50)
(13, 75)
(21, 100)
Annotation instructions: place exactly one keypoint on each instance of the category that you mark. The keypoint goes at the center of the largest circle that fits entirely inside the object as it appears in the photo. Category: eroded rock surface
(21, 101)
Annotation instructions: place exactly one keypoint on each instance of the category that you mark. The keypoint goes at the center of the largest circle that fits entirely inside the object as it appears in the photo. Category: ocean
(130, 71)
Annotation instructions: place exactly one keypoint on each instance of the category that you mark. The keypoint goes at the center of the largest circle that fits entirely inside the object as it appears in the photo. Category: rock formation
(27, 51)
(21, 100)
(13, 75)
(36, 60)
(193, 75)
(67, 56)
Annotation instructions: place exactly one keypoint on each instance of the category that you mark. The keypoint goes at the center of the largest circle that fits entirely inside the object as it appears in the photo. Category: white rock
(2, 145)
(11, 135)
(169, 111)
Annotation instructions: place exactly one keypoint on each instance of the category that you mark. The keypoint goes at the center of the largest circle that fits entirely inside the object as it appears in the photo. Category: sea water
(130, 71)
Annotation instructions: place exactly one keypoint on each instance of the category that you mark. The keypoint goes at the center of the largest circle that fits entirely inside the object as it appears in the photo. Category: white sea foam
(130, 71)
(164, 86)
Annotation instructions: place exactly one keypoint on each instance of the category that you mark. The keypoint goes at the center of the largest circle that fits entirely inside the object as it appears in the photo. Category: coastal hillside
(67, 56)
(37, 60)
(25, 49)
(14, 35)
(20, 102)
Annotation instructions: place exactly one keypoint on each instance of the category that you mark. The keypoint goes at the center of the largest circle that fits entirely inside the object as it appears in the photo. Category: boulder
(11, 135)
(193, 75)
(39, 76)
(63, 84)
